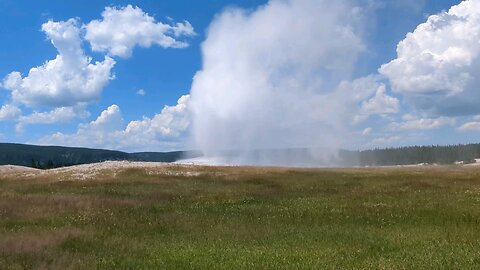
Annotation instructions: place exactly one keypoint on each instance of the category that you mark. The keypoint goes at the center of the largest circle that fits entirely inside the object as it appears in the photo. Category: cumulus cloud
(67, 80)
(270, 79)
(172, 121)
(354, 102)
(438, 64)
(165, 131)
(412, 123)
(123, 28)
(72, 79)
(109, 120)
(380, 104)
(57, 115)
(9, 112)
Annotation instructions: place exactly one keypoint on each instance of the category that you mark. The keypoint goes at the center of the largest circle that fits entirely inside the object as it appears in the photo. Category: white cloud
(141, 92)
(109, 120)
(172, 121)
(165, 131)
(9, 112)
(380, 104)
(101, 133)
(354, 102)
(412, 123)
(72, 80)
(121, 29)
(438, 65)
(67, 80)
(470, 126)
(57, 115)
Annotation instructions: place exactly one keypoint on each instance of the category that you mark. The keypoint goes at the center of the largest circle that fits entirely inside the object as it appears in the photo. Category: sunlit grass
(230, 218)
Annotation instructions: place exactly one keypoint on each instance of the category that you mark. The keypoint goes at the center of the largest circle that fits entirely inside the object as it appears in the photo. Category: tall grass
(243, 218)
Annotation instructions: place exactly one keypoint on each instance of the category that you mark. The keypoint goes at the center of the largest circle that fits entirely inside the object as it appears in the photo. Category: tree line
(433, 154)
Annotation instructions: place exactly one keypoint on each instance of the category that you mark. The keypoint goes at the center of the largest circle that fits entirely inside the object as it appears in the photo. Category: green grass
(244, 218)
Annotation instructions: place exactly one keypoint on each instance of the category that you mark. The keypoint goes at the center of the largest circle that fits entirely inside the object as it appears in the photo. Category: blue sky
(164, 74)
(114, 113)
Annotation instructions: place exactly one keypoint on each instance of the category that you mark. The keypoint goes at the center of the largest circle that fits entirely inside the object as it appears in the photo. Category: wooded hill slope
(47, 157)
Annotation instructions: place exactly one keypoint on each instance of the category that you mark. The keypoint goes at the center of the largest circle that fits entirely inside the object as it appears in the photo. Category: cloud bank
(9, 112)
(57, 115)
(61, 89)
(67, 80)
(438, 65)
(165, 131)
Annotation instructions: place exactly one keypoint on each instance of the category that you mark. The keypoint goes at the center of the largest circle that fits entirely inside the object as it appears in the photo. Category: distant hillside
(410, 155)
(433, 154)
(163, 157)
(46, 157)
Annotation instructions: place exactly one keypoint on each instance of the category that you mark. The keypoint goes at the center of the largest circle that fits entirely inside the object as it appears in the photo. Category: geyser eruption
(270, 79)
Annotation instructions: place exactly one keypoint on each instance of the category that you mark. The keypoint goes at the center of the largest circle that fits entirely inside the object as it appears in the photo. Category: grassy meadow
(243, 218)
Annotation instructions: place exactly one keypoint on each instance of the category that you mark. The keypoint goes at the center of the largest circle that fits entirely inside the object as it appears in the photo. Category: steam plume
(269, 80)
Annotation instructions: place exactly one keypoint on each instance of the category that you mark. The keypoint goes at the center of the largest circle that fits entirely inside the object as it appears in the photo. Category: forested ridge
(434, 154)
(47, 157)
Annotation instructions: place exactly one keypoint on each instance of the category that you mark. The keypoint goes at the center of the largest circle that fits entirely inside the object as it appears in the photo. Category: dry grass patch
(24, 243)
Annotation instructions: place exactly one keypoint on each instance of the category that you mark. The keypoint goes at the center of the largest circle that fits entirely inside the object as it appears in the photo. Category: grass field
(243, 218)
